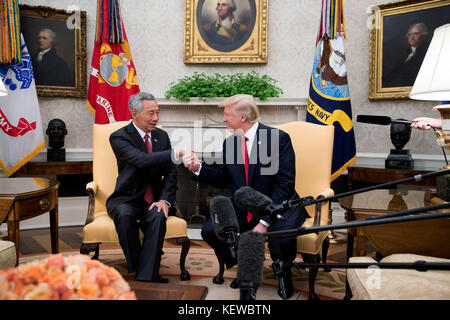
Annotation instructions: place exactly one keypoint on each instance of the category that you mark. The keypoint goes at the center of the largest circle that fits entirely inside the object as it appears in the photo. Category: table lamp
(433, 84)
(3, 91)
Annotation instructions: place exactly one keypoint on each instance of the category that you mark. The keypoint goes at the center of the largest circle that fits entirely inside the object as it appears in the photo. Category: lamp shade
(3, 91)
(433, 80)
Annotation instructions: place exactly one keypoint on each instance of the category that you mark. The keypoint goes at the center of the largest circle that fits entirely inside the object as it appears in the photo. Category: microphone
(225, 222)
(260, 205)
(382, 120)
(251, 259)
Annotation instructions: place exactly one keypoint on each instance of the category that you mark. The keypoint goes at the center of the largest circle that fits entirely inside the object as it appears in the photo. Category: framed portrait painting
(56, 40)
(225, 31)
(399, 40)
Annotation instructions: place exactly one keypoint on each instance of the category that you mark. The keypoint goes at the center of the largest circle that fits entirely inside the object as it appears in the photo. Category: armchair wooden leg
(218, 279)
(325, 246)
(312, 258)
(86, 249)
(185, 246)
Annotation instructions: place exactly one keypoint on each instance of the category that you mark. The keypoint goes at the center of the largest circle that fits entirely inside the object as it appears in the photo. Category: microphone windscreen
(383, 120)
(248, 199)
(251, 256)
(223, 216)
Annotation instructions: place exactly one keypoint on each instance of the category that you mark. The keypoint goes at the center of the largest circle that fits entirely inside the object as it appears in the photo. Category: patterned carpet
(202, 265)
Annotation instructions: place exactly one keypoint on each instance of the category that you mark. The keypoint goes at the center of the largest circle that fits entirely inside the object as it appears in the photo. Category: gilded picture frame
(56, 40)
(395, 29)
(244, 41)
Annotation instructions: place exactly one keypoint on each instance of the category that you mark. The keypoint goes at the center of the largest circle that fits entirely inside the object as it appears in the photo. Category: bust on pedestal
(399, 158)
(56, 131)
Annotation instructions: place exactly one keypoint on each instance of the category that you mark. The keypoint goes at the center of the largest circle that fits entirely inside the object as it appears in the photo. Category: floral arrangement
(75, 277)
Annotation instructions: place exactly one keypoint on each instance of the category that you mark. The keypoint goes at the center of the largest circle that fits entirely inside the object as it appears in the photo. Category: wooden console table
(379, 175)
(24, 198)
(34, 168)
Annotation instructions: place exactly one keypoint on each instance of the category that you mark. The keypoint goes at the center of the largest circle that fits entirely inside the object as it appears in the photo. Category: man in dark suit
(49, 68)
(142, 197)
(265, 162)
(403, 72)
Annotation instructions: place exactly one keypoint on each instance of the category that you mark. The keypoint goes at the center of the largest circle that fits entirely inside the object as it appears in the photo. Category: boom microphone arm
(370, 221)
(274, 210)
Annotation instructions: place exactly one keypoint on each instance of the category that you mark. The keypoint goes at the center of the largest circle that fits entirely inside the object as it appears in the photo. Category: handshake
(189, 158)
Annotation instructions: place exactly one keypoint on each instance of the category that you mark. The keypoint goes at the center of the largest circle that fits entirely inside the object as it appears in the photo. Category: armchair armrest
(91, 189)
(328, 192)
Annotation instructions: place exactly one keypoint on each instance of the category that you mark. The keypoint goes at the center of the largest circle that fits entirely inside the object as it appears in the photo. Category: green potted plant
(202, 86)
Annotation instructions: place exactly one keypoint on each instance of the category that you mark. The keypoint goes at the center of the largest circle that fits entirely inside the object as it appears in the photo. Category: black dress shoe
(282, 271)
(234, 284)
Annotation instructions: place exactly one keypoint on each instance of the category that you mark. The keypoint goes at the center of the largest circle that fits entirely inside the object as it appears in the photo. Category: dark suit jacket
(52, 71)
(137, 169)
(405, 73)
(279, 184)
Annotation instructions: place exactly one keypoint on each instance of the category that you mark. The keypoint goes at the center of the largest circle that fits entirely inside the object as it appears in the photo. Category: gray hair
(50, 33)
(232, 5)
(422, 27)
(135, 102)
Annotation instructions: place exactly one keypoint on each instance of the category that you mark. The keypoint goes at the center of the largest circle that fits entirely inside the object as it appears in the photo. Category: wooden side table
(25, 198)
(35, 168)
(378, 202)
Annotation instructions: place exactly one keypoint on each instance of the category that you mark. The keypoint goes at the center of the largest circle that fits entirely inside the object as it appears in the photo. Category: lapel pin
(259, 142)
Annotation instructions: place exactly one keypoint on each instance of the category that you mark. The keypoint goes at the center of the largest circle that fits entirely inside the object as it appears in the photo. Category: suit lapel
(136, 137)
(156, 143)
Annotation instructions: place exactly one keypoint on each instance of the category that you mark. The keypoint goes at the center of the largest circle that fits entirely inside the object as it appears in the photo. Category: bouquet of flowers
(74, 277)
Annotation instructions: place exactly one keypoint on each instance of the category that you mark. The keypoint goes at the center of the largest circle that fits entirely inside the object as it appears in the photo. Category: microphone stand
(275, 210)
(395, 217)
(419, 265)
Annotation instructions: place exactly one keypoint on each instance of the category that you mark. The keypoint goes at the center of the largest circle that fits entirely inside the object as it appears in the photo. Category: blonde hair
(243, 103)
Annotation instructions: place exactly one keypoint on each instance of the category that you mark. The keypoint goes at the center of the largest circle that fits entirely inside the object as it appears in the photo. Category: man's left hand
(161, 205)
(260, 228)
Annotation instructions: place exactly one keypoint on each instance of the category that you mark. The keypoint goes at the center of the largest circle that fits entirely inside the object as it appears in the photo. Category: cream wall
(155, 32)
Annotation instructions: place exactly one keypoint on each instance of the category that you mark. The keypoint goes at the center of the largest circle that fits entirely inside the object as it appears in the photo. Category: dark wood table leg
(54, 229)
(13, 232)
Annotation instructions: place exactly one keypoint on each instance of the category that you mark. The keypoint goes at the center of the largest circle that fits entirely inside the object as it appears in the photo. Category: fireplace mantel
(179, 114)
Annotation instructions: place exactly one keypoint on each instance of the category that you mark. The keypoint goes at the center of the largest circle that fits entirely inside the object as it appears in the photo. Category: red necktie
(245, 157)
(148, 195)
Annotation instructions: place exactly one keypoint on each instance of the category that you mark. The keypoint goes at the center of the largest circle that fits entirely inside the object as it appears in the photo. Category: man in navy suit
(142, 197)
(270, 170)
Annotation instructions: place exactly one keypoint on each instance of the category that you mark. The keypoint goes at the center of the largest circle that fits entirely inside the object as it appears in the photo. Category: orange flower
(58, 283)
(88, 290)
(55, 260)
(111, 273)
(31, 273)
(41, 292)
(70, 295)
(98, 276)
(108, 293)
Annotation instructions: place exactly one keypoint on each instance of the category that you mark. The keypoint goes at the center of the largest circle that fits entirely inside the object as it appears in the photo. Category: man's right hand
(191, 161)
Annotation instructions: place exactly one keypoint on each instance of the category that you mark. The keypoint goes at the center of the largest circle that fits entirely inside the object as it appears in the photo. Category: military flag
(329, 96)
(113, 75)
(21, 133)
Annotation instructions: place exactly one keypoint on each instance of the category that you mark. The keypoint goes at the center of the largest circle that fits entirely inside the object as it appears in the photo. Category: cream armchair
(313, 147)
(99, 227)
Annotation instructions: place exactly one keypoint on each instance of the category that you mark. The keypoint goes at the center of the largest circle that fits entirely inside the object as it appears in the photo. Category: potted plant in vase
(203, 87)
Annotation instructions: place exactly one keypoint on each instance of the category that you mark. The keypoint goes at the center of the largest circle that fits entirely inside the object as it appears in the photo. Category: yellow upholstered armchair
(99, 227)
(313, 147)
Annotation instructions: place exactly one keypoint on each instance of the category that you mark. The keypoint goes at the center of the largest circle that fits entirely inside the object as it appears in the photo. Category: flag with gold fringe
(21, 132)
(113, 75)
(329, 96)
(9, 32)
